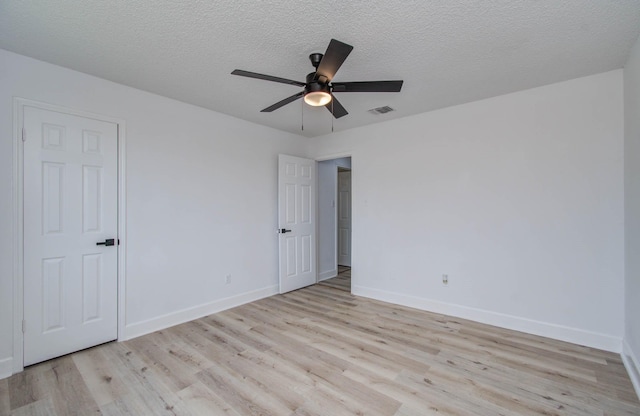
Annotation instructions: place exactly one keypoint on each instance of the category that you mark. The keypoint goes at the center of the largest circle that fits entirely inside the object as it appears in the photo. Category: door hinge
(24, 326)
(24, 135)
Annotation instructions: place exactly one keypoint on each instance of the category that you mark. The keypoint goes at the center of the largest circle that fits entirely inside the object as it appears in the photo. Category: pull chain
(332, 115)
(302, 115)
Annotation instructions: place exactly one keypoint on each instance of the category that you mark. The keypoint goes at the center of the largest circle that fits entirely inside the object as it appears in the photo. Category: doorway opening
(334, 222)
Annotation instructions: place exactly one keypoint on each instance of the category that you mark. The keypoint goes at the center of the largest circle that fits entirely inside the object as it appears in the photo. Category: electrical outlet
(445, 279)
(228, 280)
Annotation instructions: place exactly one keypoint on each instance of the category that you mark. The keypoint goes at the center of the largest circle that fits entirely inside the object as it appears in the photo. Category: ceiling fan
(318, 90)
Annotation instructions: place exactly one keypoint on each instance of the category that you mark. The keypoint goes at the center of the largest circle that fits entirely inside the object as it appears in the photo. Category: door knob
(107, 242)
(284, 231)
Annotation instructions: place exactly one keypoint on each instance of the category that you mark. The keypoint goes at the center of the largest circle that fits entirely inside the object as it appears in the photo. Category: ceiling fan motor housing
(314, 84)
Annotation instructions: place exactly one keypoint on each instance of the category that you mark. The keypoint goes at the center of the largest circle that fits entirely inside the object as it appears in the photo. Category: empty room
(320, 208)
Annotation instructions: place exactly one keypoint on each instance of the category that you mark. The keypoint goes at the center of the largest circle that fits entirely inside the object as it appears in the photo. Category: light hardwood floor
(322, 351)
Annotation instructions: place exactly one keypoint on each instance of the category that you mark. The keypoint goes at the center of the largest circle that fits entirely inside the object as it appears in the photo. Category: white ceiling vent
(381, 110)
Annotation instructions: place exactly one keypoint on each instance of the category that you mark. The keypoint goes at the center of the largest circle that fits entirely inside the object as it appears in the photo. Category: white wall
(632, 212)
(201, 197)
(518, 198)
(327, 227)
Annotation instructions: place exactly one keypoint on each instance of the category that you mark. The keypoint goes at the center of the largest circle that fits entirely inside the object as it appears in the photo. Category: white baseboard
(6, 367)
(545, 329)
(327, 275)
(632, 364)
(175, 318)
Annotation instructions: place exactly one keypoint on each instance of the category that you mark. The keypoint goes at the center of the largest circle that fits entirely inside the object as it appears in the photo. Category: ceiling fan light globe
(317, 98)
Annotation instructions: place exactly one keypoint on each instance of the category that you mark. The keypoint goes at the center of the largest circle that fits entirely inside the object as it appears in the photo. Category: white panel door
(344, 218)
(297, 222)
(70, 205)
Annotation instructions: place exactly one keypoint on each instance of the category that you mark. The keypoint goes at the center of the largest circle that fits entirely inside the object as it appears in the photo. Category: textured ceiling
(447, 52)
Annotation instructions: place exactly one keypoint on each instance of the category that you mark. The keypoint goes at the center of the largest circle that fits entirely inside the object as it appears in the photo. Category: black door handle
(107, 242)
(284, 231)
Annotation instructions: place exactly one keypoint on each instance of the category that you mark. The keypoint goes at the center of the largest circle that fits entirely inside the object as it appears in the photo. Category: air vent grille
(381, 110)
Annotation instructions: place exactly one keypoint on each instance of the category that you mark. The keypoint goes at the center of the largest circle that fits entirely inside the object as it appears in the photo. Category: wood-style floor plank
(321, 351)
(5, 405)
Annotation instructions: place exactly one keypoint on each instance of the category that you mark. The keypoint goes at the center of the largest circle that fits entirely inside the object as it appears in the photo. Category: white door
(297, 222)
(344, 218)
(70, 205)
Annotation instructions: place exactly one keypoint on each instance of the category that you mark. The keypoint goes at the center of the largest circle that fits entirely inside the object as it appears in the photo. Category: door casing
(18, 219)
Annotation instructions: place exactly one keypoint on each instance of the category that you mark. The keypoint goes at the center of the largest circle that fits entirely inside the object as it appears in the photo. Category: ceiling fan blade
(283, 102)
(332, 60)
(367, 86)
(266, 77)
(336, 108)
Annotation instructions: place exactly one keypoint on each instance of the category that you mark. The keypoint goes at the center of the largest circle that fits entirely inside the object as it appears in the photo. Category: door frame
(335, 211)
(19, 105)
